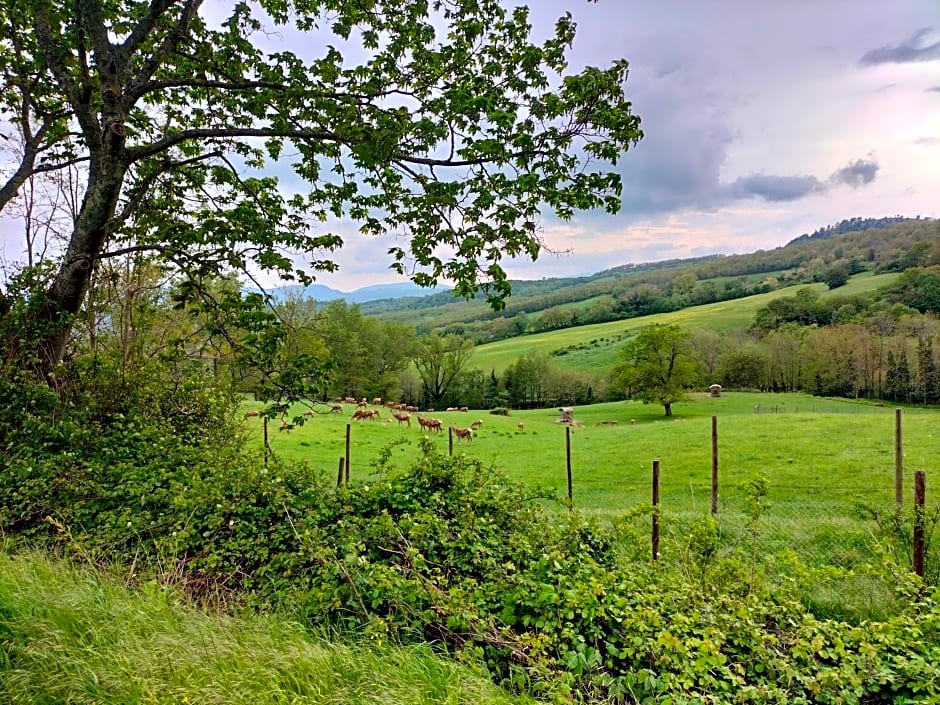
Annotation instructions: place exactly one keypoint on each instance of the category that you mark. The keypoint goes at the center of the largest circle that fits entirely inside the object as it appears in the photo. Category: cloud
(855, 174)
(908, 51)
(927, 141)
(775, 188)
(934, 89)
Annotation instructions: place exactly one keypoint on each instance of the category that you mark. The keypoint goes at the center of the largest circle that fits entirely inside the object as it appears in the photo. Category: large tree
(440, 361)
(659, 365)
(441, 121)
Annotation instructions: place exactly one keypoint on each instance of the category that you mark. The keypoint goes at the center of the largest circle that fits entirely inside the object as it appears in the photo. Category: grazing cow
(633, 422)
(520, 426)
(476, 425)
(336, 409)
(362, 404)
(412, 409)
(361, 414)
(308, 412)
(463, 408)
(377, 401)
(463, 433)
(286, 426)
(451, 408)
(252, 413)
(430, 424)
(402, 417)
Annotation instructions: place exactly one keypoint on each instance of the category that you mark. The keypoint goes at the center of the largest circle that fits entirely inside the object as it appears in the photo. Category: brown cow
(476, 425)
(253, 412)
(463, 433)
(337, 409)
(430, 424)
(402, 417)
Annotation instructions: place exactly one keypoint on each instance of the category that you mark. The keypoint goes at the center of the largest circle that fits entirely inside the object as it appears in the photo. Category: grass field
(822, 457)
(69, 635)
(596, 347)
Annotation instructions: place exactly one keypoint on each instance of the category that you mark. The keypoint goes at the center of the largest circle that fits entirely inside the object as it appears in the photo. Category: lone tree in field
(659, 365)
(440, 122)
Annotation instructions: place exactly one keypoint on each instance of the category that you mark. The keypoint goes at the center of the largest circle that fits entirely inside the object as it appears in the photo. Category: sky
(762, 121)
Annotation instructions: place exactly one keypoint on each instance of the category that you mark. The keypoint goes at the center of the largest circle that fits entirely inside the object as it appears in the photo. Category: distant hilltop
(852, 225)
(376, 292)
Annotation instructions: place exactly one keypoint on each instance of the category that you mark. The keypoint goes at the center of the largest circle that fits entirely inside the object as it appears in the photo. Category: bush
(500, 411)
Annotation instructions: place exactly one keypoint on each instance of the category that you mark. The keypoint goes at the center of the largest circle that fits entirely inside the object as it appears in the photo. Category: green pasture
(822, 458)
(596, 347)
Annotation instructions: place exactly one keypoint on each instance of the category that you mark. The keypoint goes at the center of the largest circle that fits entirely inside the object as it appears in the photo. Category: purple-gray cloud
(775, 188)
(856, 174)
(934, 89)
(908, 51)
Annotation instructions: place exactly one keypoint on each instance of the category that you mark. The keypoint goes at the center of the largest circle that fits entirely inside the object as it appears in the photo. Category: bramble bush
(446, 551)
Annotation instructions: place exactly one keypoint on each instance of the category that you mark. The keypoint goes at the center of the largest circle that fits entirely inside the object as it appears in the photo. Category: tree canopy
(444, 123)
(659, 365)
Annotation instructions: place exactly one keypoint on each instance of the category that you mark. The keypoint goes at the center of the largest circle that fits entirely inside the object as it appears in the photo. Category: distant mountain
(376, 292)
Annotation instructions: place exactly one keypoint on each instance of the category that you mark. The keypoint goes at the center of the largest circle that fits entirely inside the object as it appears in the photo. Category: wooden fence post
(450, 440)
(655, 510)
(714, 466)
(898, 462)
(568, 458)
(340, 475)
(920, 496)
(348, 432)
(267, 448)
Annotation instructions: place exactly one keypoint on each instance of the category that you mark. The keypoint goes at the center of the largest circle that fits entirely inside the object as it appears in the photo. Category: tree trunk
(71, 282)
(668, 407)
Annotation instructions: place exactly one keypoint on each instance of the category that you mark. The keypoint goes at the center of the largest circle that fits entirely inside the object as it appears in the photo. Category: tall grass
(69, 636)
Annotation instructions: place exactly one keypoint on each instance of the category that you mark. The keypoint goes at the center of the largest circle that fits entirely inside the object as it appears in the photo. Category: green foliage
(170, 142)
(837, 276)
(659, 365)
(449, 551)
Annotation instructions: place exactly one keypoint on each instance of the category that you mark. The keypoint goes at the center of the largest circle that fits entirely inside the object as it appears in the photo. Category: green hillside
(628, 291)
(595, 347)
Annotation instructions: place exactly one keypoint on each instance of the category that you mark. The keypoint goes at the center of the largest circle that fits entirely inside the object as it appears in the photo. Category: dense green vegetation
(163, 428)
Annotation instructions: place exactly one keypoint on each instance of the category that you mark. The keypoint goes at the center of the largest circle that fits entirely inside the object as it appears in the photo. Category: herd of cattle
(400, 412)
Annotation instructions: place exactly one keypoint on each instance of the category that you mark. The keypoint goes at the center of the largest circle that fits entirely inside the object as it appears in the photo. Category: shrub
(500, 411)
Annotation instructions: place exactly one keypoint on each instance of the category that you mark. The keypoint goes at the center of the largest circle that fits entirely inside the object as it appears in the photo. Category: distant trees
(658, 365)
(439, 361)
(837, 276)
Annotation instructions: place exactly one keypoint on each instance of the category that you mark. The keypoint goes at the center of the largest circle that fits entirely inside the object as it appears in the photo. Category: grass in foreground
(69, 636)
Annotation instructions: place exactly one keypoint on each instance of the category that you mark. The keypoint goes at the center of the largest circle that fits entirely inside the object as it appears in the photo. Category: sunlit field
(595, 348)
(822, 458)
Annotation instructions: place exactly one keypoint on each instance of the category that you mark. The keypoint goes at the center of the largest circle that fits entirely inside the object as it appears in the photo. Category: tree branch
(171, 41)
(139, 192)
(52, 56)
(160, 146)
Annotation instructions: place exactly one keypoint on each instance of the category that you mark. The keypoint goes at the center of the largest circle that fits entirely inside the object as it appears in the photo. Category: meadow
(823, 459)
(596, 347)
